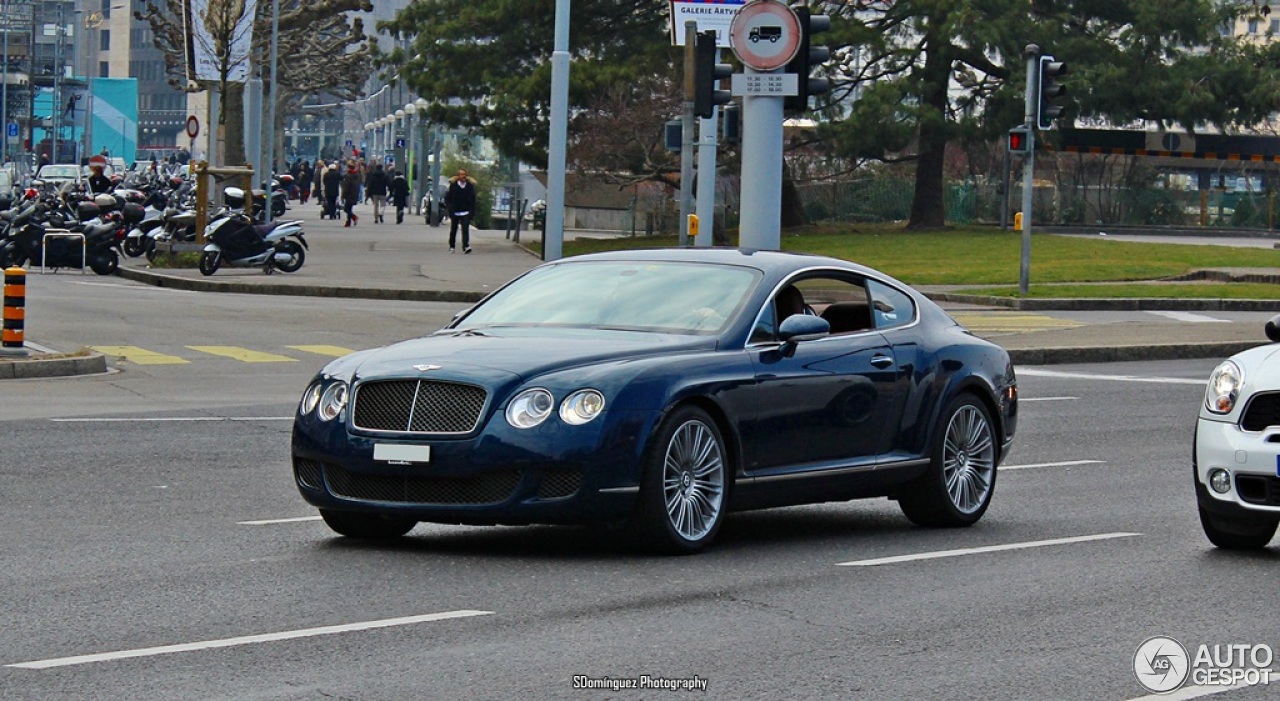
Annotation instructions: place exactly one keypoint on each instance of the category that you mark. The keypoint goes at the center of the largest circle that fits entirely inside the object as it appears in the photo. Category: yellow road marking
(335, 351)
(1013, 322)
(243, 354)
(139, 356)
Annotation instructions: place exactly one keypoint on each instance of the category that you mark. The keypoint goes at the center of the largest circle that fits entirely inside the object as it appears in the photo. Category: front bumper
(1251, 458)
(553, 473)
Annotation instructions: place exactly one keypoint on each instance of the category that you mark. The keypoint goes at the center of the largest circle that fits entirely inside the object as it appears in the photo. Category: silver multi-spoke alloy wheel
(968, 459)
(693, 480)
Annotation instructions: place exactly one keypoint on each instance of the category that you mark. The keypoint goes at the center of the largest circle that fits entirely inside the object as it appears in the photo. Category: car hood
(524, 353)
(1261, 367)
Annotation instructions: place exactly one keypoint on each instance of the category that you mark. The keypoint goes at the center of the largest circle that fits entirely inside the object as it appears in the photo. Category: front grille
(308, 474)
(1259, 489)
(1263, 411)
(418, 406)
(558, 484)
(489, 488)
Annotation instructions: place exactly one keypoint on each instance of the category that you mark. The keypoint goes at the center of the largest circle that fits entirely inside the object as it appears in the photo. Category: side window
(890, 307)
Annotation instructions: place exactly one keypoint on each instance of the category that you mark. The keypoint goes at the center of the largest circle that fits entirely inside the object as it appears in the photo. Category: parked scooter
(237, 240)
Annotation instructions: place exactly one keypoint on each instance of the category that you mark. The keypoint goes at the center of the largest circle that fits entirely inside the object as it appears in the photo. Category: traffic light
(807, 57)
(707, 75)
(1018, 140)
(1048, 89)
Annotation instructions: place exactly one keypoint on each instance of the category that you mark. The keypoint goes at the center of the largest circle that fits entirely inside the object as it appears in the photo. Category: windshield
(667, 297)
(58, 172)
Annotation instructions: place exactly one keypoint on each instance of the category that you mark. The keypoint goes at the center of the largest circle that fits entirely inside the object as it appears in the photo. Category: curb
(1119, 354)
(1127, 304)
(93, 364)
(181, 283)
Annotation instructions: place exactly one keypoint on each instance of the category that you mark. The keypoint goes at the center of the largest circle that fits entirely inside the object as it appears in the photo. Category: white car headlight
(310, 399)
(530, 408)
(581, 406)
(332, 401)
(1224, 388)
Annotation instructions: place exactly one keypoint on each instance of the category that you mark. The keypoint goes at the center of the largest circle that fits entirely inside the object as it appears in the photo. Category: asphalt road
(156, 548)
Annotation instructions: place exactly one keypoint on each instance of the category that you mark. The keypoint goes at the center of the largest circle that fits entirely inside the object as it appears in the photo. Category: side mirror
(1273, 329)
(798, 328)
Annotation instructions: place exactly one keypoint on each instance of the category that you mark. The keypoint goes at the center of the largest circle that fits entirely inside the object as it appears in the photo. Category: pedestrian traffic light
(807, 58)
(707, 74)
(1019, 140)
(1048, 90)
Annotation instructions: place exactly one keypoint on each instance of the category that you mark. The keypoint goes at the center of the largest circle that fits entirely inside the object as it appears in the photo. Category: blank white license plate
(392, 452)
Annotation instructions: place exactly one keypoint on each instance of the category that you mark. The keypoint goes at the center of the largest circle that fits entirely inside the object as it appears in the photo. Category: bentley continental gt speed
(660, 390)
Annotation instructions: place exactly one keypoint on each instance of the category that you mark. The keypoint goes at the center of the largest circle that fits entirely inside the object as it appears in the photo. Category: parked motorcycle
(237, 240)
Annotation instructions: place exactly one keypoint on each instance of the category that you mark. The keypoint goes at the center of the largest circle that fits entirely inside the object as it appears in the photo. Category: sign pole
(760, 225)
(706, 206)
(1032, 54)
(686, 133)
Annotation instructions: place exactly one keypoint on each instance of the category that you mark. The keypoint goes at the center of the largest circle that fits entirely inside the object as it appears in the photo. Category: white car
(1237, 448)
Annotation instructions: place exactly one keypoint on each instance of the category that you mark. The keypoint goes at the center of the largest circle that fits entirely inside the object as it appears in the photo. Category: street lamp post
(420, 167)
(411, 145)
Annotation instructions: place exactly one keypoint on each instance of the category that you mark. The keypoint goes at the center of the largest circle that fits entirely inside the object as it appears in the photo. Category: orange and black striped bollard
(15, 302)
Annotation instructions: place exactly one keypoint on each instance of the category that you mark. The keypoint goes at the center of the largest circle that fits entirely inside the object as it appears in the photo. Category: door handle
(881, 361)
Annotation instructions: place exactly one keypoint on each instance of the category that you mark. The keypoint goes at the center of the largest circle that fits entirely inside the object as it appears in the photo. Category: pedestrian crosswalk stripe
(243, 354)
(139, 356)
(335, 351)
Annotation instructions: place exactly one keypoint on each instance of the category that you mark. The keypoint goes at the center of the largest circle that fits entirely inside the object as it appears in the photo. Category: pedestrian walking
(317, 178)
(304, 182)
(332, 188)
(376, 185)
(460, 201)
(399, 190)
(351, 194)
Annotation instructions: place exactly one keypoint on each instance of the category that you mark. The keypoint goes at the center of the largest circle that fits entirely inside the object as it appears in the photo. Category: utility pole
(686, 130)
(1032, 54)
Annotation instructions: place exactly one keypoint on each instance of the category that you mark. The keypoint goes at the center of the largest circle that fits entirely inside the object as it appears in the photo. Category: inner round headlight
(1220, 480)
(581, 406)
(1224, 388)
(332, 401)
(310, 399)
(530, 408)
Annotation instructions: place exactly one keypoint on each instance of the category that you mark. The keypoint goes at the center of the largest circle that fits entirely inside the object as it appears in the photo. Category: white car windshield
(658, 296)
(58, 172)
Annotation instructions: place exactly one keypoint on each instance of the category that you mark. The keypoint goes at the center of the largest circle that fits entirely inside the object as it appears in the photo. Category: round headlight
(530, 408)
(332, 401)
(581, 406)
(310, 399)
(1224, 388)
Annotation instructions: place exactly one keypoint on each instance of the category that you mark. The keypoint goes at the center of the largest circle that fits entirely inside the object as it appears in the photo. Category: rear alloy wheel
(365, 526)
(1237, 534)
(209, 262)
(957, 488)
(682, 494)
(296, 256)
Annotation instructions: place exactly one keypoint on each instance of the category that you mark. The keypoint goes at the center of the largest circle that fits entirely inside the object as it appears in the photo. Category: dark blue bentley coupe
(660, 390)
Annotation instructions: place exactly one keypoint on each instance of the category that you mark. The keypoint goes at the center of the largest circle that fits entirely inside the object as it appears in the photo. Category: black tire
(297, 256)
(105, 264)
(1237, 534)
(957, 488)
(365, 526)
(134, 247)
(685, 487)
(210, 261)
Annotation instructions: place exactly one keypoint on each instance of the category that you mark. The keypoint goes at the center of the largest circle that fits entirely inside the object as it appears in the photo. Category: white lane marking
(1045, 399)
(246, 640)
(985, 549)
(1031, 372)
(274, 521)
(174, 418)
(1191, 318)
(1192, 692)
(1067, 463)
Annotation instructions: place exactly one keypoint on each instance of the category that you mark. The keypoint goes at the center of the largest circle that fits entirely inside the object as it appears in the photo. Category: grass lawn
(988, 256)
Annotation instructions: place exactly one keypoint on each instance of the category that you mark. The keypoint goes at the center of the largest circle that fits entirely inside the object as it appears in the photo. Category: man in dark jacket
(332, 181)
(399, 190)
(98, 181)
(375, 186)
(460, 201)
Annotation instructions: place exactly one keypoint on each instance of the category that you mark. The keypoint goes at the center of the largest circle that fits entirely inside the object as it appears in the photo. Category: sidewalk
(411, 261)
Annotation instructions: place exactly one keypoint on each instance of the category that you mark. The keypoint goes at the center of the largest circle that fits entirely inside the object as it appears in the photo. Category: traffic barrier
(15, 302)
